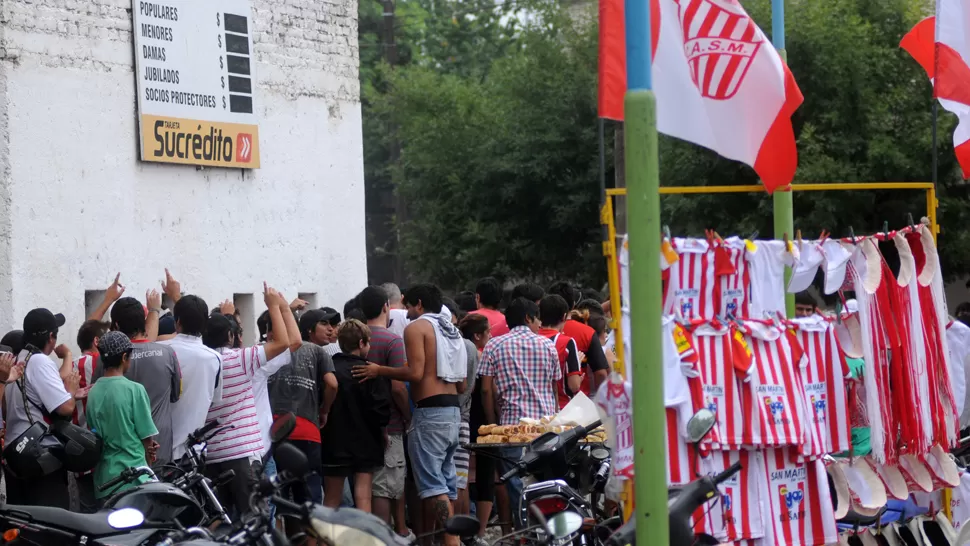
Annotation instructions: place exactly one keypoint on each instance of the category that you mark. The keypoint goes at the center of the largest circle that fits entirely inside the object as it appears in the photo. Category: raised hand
(171, 287)
(115, 290)
(153, 299)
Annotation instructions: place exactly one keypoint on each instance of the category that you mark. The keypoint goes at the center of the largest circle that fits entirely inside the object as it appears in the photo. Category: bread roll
(485, 430)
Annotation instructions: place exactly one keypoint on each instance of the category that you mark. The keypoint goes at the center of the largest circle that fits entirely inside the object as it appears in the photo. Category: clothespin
(667, 231)
(885, 228)
(798, 236)
(717, 236)
(788, 245)
(821, 238)
(754, 235)
(909, 219)
(852, 235)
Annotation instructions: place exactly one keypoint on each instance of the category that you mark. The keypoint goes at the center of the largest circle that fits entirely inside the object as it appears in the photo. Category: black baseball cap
(166, 325)
(217, 331)
(40, 321)
(331, 315)
(311, 318)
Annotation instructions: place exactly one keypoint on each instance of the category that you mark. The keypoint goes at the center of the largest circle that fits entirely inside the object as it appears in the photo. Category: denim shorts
(432, 442)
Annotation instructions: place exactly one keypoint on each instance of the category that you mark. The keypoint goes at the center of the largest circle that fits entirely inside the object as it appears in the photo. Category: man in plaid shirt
(519, 371)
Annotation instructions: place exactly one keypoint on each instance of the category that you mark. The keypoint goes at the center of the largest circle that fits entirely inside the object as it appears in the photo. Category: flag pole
(936, 104)
(936, 74)
(643, 210)
(784, 218)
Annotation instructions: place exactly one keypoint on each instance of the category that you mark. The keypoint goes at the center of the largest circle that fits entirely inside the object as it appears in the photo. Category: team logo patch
(720, 41)
(818, 404)
(776, 407)
(791, 497)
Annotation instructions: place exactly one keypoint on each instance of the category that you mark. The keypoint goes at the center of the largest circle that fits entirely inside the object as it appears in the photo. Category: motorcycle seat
(854, 518)
(87, 524)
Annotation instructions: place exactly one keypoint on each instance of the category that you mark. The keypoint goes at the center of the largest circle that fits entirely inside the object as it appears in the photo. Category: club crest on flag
(720, 41)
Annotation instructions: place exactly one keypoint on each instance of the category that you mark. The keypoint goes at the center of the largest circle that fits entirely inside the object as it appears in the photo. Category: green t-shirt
(120, 413)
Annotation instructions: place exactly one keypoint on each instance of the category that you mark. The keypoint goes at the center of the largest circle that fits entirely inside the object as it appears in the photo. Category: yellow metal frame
(931, 201)
(613, 271)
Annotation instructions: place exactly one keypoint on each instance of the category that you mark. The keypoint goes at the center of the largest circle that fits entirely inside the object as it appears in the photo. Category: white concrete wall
(76, 204)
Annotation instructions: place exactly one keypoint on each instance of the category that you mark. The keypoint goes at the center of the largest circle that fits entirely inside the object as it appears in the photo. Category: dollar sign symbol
(217, 20)
(223, 103)
(220, 62)
(223, 82)
(220, 40)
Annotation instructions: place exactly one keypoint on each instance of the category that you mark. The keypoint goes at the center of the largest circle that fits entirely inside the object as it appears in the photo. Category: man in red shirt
(586, 339)
(552, 315)
(488, 296)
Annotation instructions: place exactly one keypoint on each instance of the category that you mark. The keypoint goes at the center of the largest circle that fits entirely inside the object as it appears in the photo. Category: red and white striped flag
(943, 50)
(719, 82)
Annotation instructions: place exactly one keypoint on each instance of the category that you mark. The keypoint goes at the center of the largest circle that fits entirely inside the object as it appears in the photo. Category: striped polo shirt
(237, 407)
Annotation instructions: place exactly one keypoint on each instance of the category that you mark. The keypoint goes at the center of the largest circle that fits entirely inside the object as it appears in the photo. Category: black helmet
(27, 458)
(81, 448)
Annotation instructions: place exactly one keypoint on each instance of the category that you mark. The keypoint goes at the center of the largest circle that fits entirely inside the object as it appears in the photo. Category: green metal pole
(783, 208)
(643, 213)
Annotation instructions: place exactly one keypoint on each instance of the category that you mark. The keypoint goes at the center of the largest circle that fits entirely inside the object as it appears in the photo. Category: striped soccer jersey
(679, 452)
(739, 513)
(690, 288)
(823, 370)
(772, 401)
(719, 390)
(733, 287)
(84, 365)
(798, 500)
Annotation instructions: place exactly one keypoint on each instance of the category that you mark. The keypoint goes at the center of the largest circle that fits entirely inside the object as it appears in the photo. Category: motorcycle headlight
(332, 533)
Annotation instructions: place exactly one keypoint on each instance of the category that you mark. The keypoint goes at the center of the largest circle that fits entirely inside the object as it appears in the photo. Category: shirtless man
(435, 422)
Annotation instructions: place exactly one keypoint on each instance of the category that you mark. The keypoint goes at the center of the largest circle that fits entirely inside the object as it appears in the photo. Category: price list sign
(196, 82)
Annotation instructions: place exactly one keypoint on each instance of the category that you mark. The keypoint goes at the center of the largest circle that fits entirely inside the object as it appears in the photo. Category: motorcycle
(568, 474)
(257, 529)
(185, 496)
(135, 516)
(683, 502)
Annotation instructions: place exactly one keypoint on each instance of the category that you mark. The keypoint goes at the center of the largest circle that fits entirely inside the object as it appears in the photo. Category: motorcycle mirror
(700, 424)
(282, 427)
(125, 518)
(462, 526)
(564, 524)
(291, 460)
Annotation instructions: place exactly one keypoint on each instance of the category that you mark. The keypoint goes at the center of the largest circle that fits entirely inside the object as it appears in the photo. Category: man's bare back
(421, 346)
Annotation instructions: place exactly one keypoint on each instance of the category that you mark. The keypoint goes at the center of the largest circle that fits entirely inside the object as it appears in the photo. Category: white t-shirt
(767, 271)
(958, 341)
(201, 387)
(397, 321)
(44, 387)
(331, 348)
(263, 409)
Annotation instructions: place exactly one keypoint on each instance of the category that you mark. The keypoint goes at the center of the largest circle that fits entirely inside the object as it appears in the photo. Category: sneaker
(409, 538)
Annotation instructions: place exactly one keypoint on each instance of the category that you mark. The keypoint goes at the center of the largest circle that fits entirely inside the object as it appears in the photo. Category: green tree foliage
(497, 125)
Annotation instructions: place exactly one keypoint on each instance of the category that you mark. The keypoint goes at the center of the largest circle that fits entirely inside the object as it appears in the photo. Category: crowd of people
(385, 394)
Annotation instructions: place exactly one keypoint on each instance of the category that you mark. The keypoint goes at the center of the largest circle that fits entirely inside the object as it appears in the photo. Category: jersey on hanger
(773, 400)
(739, 513)
(690, 287)
(798, 500)
(718, 382)
(823, 370)
(732, 278)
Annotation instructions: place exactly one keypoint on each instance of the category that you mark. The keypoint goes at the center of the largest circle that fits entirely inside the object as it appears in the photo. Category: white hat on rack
(836, 258)
(803, 273)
